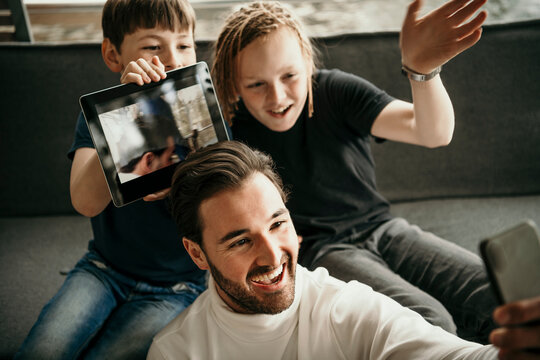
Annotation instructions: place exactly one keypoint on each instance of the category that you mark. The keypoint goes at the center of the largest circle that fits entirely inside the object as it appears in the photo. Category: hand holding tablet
(142, 132)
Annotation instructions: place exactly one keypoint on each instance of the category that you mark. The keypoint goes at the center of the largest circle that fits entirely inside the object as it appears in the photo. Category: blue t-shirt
(140, 239)
(325, 161)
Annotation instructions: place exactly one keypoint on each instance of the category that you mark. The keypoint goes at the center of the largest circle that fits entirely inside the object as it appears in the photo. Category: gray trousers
(441, 281)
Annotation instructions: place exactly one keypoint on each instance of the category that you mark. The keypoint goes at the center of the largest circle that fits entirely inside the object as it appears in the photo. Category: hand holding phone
(512, 260)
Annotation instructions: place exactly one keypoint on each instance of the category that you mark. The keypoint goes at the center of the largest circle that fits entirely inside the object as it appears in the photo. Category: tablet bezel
(123, 193)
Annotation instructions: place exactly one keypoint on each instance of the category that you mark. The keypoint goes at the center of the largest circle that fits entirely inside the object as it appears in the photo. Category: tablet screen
(142, 132)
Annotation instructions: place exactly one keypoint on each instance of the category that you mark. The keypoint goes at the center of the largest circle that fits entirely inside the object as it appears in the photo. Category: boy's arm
(88, 187)
(427, 43)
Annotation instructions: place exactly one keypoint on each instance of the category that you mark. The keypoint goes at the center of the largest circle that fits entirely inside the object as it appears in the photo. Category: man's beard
(273, 303)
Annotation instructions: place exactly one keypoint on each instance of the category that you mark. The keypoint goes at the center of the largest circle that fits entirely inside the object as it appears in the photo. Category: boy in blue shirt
(136, 276)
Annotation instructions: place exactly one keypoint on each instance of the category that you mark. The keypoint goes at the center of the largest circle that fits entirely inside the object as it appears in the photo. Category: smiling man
(260, 304)
(256, 247)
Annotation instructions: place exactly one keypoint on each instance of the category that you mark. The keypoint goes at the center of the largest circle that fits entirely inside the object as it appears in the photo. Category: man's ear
(147, 160)
(111, 56)
(196, 253)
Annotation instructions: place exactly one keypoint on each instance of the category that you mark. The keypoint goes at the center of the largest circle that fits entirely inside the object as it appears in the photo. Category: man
(230, 205)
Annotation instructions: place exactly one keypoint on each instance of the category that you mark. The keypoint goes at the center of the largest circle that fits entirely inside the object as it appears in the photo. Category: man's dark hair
(155, 131)
(123, 17)
(208, 171)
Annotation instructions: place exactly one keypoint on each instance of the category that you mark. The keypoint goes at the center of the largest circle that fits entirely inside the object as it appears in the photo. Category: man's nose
(269, 251)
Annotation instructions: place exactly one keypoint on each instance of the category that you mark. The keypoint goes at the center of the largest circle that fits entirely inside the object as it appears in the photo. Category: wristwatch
(413, 75)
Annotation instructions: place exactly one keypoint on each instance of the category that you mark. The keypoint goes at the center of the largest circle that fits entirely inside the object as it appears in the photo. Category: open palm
(434, 39)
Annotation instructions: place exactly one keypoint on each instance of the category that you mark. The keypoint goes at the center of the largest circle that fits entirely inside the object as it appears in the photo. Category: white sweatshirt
(329, 319)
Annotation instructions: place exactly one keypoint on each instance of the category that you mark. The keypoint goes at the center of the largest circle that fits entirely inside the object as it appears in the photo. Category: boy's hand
(430, 41)
(519, 336)
(143, 72)
(157, 195)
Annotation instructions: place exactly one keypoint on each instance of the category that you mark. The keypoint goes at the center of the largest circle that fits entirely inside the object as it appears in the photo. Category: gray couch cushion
(33, 251)
(466, 221)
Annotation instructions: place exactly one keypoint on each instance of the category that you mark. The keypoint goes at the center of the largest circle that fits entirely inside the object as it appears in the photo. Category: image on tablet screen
(148, 131)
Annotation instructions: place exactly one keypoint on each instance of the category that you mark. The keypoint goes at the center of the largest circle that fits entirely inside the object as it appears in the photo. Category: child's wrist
(416, 76)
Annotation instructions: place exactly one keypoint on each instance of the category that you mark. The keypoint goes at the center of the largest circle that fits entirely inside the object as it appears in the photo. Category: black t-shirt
(140, 239)
(325, 161)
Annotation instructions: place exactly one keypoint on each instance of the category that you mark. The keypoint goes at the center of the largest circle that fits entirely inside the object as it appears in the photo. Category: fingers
(160, 67)
(469, 34)
(412, 10)
(128, 78)
(471, 26)
(142, 72)
(467, 11)
(441, 34)
(518, 312)
(452, 6)
(517, 355)
(468, 41)
(157, 195)
(152, 70)
(520, 337)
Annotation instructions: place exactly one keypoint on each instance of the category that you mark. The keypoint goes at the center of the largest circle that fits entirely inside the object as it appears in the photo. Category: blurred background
(79, 20)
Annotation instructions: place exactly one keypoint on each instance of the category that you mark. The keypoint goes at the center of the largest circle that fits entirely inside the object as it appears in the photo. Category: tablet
(141, 133)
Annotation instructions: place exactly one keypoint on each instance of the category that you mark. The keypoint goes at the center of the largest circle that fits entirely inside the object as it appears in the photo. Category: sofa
(486, 180)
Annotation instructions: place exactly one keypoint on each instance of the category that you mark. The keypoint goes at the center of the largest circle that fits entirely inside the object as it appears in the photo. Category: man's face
(250, 247)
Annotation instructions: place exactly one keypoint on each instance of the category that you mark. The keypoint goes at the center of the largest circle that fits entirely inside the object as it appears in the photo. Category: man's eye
(151, 48)
(184, 47)
(239, 243)
(276, 225)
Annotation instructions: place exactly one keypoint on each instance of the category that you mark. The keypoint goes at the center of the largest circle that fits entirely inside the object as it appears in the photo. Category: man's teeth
(268, 278)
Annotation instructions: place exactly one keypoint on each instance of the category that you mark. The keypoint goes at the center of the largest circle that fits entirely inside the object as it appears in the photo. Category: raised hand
(430, 41)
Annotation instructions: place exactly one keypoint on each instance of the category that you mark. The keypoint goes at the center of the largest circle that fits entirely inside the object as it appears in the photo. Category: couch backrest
(495, 90)
(41, 87)
(494, 87)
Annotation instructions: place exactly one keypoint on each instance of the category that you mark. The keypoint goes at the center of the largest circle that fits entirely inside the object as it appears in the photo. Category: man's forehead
(255, 202)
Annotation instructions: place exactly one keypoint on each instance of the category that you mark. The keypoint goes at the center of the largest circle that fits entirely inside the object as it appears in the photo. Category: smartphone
(512, 260)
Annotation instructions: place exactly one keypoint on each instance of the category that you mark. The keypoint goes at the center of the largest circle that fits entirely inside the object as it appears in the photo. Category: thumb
(413, 9)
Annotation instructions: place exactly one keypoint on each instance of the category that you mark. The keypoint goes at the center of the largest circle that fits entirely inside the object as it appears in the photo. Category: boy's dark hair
(208, 171)
(124, 17)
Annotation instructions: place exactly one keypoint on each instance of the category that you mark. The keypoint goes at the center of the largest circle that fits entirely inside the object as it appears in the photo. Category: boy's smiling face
(272, 79)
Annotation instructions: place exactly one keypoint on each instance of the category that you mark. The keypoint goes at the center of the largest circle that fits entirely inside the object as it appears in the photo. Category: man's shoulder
(322, 282)
(189, 320)
(176, 340)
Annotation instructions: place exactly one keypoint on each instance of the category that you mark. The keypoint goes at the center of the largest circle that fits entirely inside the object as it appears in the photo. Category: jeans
(441, 281)
(99, 313)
